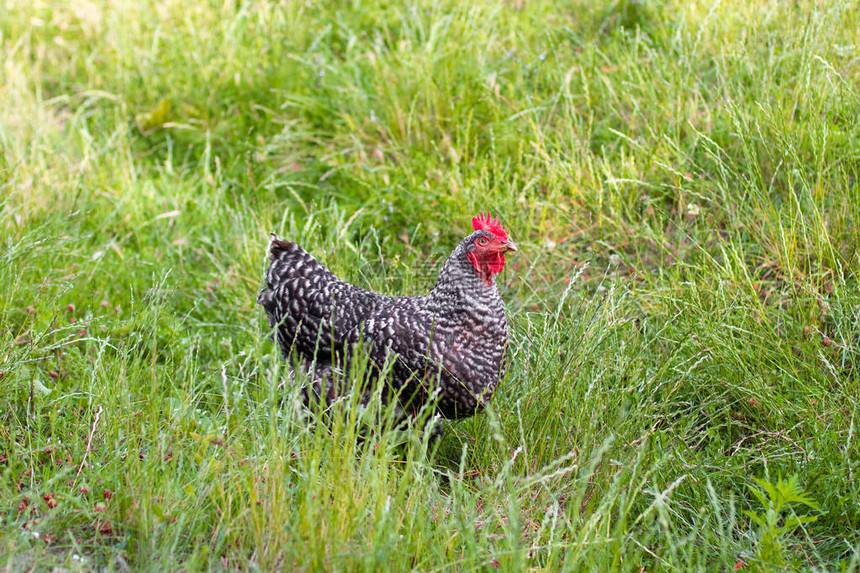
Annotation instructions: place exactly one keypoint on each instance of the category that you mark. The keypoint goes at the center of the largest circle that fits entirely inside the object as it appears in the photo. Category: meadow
(680, 177)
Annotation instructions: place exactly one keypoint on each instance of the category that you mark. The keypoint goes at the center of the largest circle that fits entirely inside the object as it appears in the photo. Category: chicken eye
(483, 241)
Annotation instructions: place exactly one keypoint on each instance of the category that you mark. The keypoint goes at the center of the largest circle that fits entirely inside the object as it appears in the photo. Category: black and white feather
(453, 339)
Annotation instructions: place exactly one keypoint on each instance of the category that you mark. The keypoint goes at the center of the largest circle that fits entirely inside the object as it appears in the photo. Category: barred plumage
(454, 338)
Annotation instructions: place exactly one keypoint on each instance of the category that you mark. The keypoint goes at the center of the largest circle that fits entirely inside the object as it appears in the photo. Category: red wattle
(496, 263)
(488, 266)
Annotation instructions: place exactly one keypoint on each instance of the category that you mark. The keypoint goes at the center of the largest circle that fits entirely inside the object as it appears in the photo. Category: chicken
(452, 340)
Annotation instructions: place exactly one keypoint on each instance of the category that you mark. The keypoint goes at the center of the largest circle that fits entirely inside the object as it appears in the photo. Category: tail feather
(278, 246)
(310, 311)
(297, 299)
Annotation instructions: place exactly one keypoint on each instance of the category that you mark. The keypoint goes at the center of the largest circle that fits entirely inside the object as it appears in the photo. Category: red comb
(485, 222)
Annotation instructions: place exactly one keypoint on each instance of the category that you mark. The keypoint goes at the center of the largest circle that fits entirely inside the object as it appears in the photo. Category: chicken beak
(511, 246)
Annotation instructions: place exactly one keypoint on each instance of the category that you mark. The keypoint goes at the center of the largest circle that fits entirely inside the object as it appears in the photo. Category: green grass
(682, 179)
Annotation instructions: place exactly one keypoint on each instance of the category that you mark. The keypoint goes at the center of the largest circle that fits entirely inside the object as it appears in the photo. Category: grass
(681, 180)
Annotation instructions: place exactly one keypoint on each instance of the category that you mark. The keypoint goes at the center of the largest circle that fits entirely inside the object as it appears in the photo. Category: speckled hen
(453, 339)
